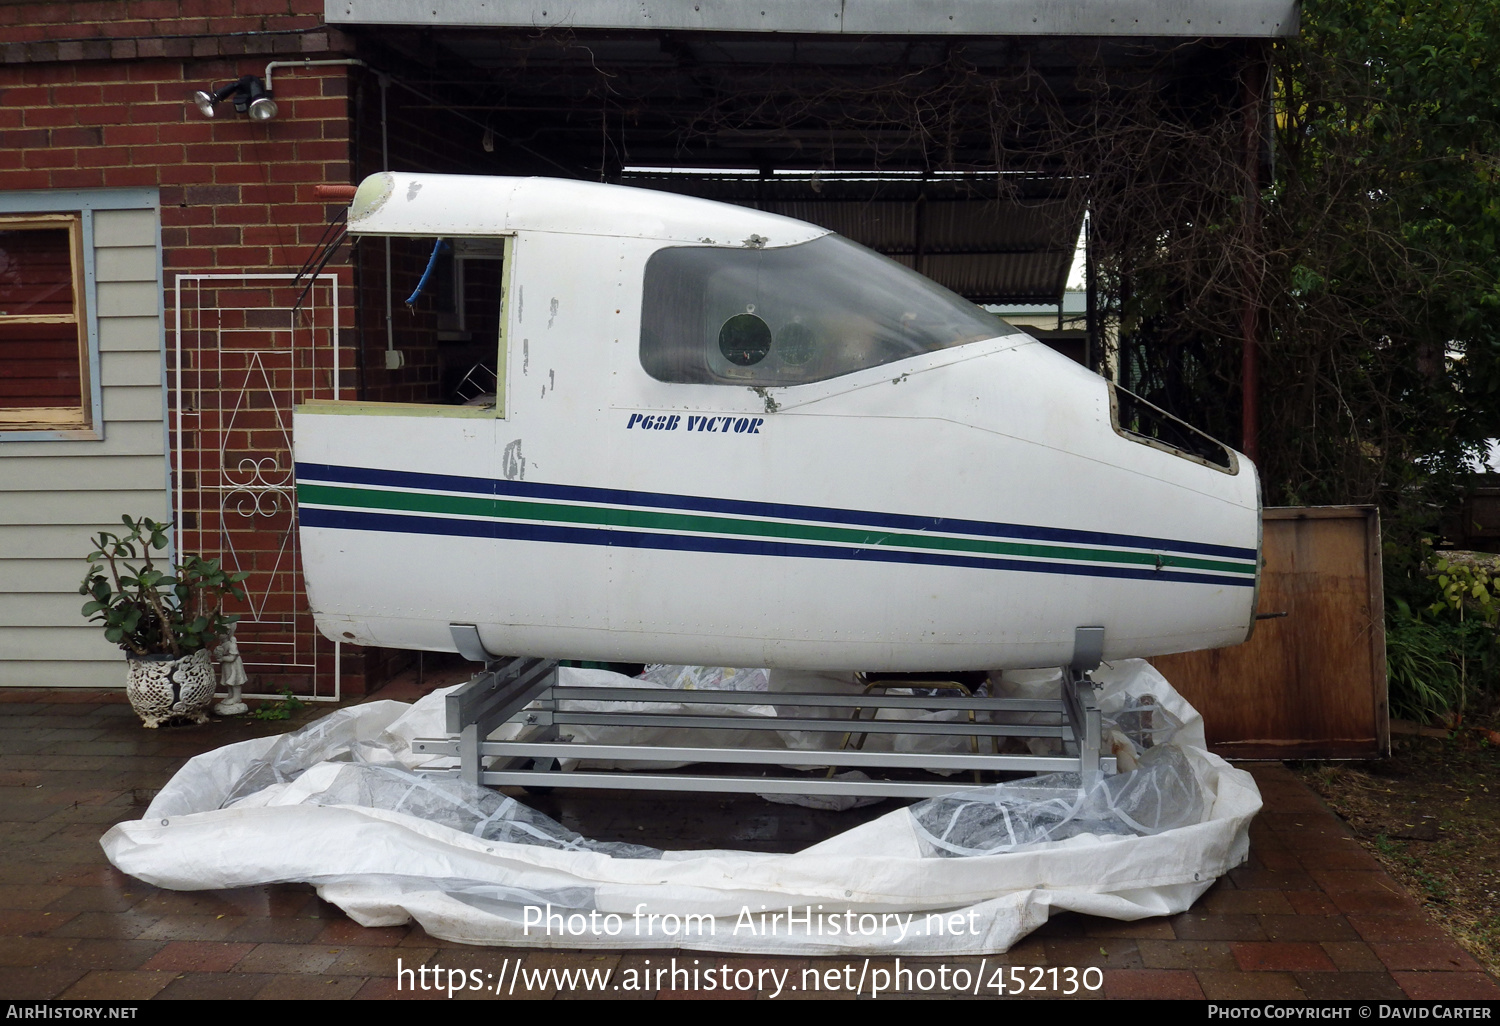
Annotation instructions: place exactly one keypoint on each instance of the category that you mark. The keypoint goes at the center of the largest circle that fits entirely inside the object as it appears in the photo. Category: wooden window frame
(57, 418)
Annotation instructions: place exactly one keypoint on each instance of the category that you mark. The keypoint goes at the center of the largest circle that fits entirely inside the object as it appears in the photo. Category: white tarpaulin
(336, 804)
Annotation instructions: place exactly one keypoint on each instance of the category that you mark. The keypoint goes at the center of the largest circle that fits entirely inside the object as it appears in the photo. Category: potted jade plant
(165, 618)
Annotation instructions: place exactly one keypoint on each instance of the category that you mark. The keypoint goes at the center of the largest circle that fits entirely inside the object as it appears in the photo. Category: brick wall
(105, 30)
(97, 95)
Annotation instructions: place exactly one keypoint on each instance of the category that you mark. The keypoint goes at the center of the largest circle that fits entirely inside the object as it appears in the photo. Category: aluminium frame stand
(526, 692)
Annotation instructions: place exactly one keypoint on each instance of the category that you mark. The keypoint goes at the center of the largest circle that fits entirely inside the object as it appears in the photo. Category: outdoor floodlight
(250, 97)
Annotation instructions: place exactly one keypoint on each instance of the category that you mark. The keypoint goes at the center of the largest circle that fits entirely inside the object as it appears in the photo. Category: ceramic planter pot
(161, 688)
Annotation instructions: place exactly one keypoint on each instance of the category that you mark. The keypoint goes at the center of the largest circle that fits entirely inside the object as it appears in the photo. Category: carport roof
(801, 89)
(1220, 19)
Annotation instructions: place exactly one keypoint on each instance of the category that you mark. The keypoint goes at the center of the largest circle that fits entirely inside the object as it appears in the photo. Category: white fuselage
(966, 508)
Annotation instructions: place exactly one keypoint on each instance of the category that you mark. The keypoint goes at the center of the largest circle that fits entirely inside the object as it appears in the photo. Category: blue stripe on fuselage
(349, 520)
(745, 507)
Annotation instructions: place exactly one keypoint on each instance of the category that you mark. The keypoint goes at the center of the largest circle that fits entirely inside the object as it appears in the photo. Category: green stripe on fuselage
(657, 520)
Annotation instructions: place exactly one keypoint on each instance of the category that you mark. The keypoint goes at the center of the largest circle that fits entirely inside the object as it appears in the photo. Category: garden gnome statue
(232, 675)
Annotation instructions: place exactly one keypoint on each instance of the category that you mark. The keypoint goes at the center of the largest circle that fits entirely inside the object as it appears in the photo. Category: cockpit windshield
(794, 314)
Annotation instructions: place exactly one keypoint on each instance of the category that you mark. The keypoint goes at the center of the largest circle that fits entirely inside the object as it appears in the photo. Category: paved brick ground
(1310, 916)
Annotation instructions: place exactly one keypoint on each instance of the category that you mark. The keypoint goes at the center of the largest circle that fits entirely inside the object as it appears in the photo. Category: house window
(44, 358)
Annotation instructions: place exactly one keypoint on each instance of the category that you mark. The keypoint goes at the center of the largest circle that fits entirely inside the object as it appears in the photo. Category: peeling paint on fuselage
(512, 463)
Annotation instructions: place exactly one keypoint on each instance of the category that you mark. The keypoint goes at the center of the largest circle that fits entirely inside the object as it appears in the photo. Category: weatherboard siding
(55, 494)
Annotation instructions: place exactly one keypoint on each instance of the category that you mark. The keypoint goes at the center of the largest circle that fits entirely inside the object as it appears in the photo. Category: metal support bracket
(492, 697)
(1088, 649)
(466, 642)
(1081, 693)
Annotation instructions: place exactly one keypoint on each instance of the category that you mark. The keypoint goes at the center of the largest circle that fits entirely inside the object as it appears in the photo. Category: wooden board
(1312, 684)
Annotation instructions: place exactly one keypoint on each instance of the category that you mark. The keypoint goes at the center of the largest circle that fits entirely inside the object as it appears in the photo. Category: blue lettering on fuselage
(673, 421)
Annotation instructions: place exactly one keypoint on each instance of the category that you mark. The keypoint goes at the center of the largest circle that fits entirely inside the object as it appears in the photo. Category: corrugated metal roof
(586, 102)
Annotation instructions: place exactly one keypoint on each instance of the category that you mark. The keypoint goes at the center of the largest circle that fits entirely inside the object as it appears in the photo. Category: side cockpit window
(1139, 421)
(795, 314)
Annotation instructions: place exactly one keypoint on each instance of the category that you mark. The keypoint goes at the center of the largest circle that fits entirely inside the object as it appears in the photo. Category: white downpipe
(309, 64)
(393, 359)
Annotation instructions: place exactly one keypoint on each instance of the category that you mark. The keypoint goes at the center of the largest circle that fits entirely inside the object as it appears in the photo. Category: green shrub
(147, 609)
(1420, 666)
(281, 710)
(1443, 658)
